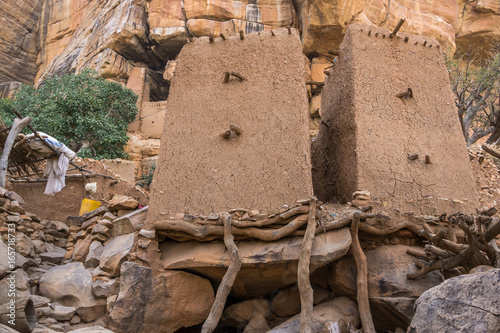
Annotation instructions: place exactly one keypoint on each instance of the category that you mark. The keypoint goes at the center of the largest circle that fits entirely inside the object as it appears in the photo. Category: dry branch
(305, 289)
(228, 279)
(362, 278)
(17, 126)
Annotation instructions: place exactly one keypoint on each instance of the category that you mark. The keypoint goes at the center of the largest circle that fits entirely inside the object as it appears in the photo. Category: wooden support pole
(398, 26)
(239, 76)
(272, 33)
(425, 43)
(242, 35)
(228, 279)
(362, 277)
(413, 157)
(369, 32)
(222, 36)
(211, 38)
(305, 289)
(226, 77)
(17, 126)
(407, 39)
(289, 30)
(427, 159)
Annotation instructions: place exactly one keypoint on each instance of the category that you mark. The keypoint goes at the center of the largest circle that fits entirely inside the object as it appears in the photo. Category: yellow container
(89, 205)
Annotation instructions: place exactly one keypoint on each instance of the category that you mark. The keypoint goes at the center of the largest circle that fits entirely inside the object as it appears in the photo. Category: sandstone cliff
(115, 36)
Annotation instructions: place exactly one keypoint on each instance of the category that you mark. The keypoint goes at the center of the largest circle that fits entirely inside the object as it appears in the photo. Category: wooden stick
(396, 29)
(305, 289)
(17, 126)
(417, 253)
(362, 278)
(238, 75)
(222, 36)
(242, 35)
(228, 279)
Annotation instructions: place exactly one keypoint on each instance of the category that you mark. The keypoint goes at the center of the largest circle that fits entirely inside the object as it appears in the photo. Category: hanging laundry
(56, 166)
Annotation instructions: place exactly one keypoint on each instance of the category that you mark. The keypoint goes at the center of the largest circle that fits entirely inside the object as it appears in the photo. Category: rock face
(18, 41)
(107, 35)
(391, 293)
(266, 266)
(467, 303)
(161, 302)
(71, 286)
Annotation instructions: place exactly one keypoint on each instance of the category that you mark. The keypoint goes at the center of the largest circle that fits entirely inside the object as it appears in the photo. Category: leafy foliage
(476, 86)
(84, 111)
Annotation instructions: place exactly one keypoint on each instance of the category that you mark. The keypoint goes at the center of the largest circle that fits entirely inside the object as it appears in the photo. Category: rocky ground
(103, 272)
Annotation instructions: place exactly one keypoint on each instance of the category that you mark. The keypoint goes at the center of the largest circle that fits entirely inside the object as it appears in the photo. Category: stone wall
(268, 164)
(368, 133)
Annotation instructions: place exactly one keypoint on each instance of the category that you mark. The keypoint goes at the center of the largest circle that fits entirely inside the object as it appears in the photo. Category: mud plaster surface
(370, 132)
(269, 164)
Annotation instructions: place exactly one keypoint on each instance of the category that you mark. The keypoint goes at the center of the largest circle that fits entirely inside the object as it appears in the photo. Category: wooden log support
(211, 38)
(457, 260)
(396, 29)
(227, 281)
(242, 35)
(490, 151)
(17, 126)
(227, 75)
(406, 39)
(289, 30)
(235, 129)
(361, 278)
(305, 289)
(272, 33)
(413, 157)
(425, 43)
(369, 32)
(223, 36)
(238, 75)
(427, 159)
(408, 93)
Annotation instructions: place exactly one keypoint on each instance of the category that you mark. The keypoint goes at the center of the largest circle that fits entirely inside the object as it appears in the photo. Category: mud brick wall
(367, 132)
(266, 166)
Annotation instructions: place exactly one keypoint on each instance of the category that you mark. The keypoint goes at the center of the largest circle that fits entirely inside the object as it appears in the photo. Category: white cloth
(56, 167)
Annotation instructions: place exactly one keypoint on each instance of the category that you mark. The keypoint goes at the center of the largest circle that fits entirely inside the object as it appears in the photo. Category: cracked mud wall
(268, 165)
(368, 132)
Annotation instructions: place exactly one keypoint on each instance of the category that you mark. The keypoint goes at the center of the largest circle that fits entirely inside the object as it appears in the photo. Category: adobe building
(240, 141)
(406, 149)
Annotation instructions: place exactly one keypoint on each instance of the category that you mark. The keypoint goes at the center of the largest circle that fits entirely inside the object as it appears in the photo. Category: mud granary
(240, 140)
(389, 126)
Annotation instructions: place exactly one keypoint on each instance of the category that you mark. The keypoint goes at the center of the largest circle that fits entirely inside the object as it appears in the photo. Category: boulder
(338, 315)
(62, 313)
(24, 245)
(391, 293)
(250, 315)
(129, 222)
(81, 249)
(53, 257)
(162, 302)
(286, 302)
(20, 279)
(466, 303)
(95, 252)
(115, 253)
(266, 266)
(122, 202)
(5, 263)
(105, 289)
(71, 285)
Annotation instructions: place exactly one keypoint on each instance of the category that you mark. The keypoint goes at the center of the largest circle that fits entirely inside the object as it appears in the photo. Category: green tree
(476, 85)
(84, 111)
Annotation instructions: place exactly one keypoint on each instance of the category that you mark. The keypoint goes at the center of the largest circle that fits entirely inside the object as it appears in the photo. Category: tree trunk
(17, 126)
(495, 135)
